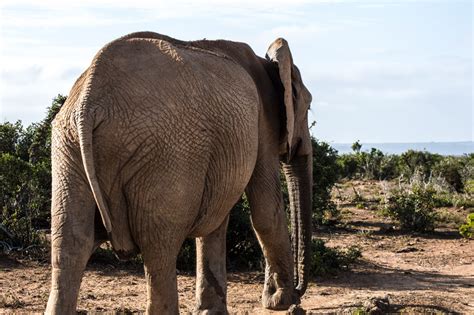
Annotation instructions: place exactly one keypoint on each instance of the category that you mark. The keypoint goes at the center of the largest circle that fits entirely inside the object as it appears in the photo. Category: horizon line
(403, 142)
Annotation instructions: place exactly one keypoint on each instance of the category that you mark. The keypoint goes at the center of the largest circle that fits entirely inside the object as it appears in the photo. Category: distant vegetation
(426, 181)
(456, 173)
(25, 179)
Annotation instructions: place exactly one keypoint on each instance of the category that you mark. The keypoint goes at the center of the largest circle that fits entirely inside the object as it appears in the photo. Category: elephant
(157, 141)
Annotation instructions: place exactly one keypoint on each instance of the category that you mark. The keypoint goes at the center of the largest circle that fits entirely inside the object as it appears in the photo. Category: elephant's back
(179, 93)
(182, 122)
(156, 76)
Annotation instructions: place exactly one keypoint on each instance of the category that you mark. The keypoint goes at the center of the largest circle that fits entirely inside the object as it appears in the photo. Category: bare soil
(428, 273)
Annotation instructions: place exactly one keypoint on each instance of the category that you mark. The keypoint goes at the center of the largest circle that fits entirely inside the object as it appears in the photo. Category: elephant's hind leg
(211, 280)
(159, 258)
(72, 237)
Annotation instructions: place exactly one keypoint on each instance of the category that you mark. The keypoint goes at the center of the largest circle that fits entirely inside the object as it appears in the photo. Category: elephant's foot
(209, 303)
(64, 290)
(281, 299)
(57, 304)
(278, 291)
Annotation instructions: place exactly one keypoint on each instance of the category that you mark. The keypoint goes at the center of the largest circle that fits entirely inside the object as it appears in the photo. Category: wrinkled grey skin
(157, 141)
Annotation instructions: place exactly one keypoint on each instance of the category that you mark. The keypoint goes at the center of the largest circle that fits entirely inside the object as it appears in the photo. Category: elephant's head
(296, 152)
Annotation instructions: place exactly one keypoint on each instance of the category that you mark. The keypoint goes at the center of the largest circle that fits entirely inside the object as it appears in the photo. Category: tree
(326, 171)
(356, 146)
(25, 178)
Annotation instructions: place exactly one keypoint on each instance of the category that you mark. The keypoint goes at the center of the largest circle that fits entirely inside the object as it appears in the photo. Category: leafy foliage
(456, 172)
(413, 161)
(356, 146)
(370, 165)
(326, 260)
(325, 175)
(467, 229)
(10, 135)
(25, 178)
(413, 209)
(348, 166)
(450, 169)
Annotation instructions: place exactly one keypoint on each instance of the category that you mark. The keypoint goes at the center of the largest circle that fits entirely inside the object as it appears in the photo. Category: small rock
(377, 305)
(296, 310)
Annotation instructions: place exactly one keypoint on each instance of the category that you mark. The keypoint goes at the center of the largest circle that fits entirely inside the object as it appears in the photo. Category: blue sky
(379, 71)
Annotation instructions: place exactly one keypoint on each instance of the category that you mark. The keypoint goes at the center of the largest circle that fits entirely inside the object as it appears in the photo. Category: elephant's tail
(85, 125)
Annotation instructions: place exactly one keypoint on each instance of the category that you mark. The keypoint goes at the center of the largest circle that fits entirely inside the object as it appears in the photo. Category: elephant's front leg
(269, 222)
(211, 282)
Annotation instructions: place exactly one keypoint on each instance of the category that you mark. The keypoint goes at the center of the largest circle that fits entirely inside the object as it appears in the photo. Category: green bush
(443, 199)
(389, 167)
(25, 179)
(456, 171)
(462, 201)
(413, 161)
(16, 191)
(469, 186)
(326, 260)
(369, 165)
(450, 169)
(467, 229)
(325, 175)
(413, 209)
(467, 173)
(348, 166)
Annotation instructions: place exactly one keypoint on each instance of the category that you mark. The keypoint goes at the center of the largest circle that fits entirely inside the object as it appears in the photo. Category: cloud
(87, 13)
(295, 32)
(58, 18)
(52, 14)
(392, 93)
(449, 71)
(29, 74)
(149, 4)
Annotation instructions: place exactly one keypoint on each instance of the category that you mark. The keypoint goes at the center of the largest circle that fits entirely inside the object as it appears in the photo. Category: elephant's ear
(279, 52)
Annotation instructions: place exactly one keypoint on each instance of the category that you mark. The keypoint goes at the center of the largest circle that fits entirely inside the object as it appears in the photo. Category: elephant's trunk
(299, 176)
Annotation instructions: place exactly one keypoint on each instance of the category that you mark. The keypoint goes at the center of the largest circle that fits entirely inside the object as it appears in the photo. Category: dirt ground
(415, 272)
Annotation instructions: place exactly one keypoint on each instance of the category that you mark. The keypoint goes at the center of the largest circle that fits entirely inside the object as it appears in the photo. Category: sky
(379, 70)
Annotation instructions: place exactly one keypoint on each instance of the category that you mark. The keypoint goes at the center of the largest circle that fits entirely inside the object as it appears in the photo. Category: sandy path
(433, 273)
